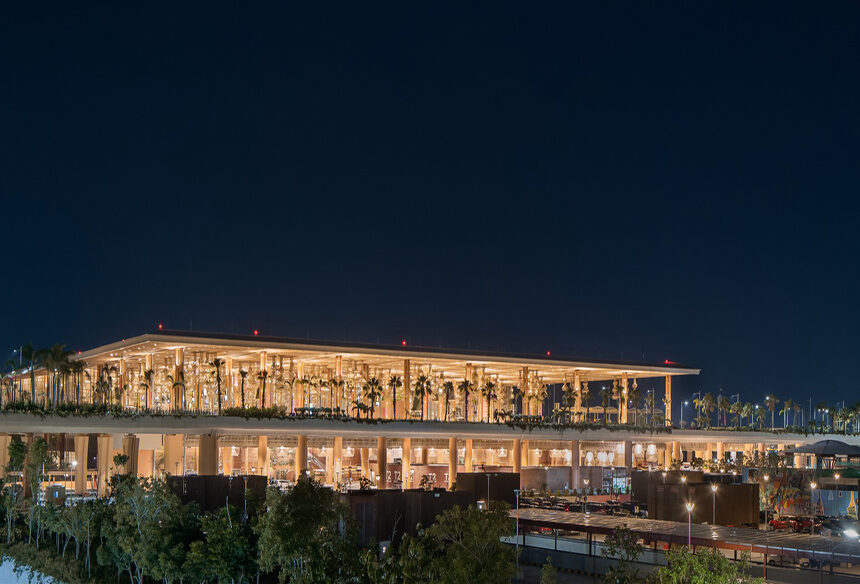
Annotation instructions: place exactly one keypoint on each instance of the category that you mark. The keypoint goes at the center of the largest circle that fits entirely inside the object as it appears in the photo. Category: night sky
(616, 181)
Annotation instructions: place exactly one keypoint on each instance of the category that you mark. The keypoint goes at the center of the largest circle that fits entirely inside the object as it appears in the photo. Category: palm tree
(243, 373)
(634, 398)
(770, 401)
(649, 405)
(422, 389)
(748, 412)
(605, 398)
(568, 397)
(618, 396)
(786, 408)
(28, 353)
(798, 409)
(262, 375)
(464, 387)
(737, 409)
(448, 390)
(372, 389)
(585, 398)
(394, 383)
(761, 417)
(489, 392)
(723, 405)
(217, 363)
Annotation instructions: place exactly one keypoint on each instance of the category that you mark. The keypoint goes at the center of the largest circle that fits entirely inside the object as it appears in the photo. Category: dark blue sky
(660, 181)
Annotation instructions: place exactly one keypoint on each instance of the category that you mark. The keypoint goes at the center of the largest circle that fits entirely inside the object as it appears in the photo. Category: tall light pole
(812, 486)
(686, 403)
(766, 505)
(517, 493)
(714, 494)
(689, 526)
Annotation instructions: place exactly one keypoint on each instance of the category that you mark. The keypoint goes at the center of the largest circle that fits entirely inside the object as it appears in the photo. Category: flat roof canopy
(794, 545)
(507, 367)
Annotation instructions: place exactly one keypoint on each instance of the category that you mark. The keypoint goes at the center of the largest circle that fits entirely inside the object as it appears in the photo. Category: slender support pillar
(337, 459)
(628, 455)
(668, 400)
(403, 413)
(517, 454)
(229, 393)
(301, 455)
(329, 465)
(338, 375)
(574, 464)
(676, 452)
(381, 463)
(207, 455)
(177, 400)
(721, 451)
(798, 458)
(577, 403)
(524, 391)
(226, 460)
(623, 401)
(82, 444)
(131, 448)
(263, 455)
(365, 462)
(468, 455)
(265, 400)
(174, 445)
(148, 367)
(5, 439)
(104, 462)
(761, 449)
(452, 462)
(406, 463)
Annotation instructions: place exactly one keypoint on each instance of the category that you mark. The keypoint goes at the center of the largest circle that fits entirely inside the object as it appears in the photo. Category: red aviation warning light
(160, 326)
(403, 343)
(256, 332)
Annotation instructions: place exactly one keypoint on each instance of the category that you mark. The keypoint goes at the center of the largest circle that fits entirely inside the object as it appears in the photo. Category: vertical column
(574, 464)
(177, 400)
(124, 395)
(174, 445)
(265, 398)
(329, 465)
(467, 456)
(676, 452)
(104, 462)
(131, 448)
(5, 439)
(337, 458)
(721, 451)
(668, 399)
(407, 389)
(82, 444)
(148, 367)
(524, 392)
(761, 449)
(467, 406)
(298, 387)
(207, 455)
(229, 394)
(381, 463)
(622, 413)
(406, 463)
(338, 375)
(452, 462)
(263, 455)
(798, 458)
(628, 455)
(301, 455)
(226, 460)
(364, 453)
(577, 404)
(517, 455)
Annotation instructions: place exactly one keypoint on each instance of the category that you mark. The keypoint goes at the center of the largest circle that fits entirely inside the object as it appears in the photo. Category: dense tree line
(142, 534)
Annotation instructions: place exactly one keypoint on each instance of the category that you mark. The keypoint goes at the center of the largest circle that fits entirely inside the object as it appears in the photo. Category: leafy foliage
(706, 566)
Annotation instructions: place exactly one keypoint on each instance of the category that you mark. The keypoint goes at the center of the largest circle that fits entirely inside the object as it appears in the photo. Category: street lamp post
(517, 493)
(686, 403)
(689, 526)
(714, 494)
(766, 505)
(812, 486)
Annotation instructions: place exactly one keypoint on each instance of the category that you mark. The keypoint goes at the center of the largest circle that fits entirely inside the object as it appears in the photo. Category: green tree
(217, 364)
(623, 545)
(770, 402)
(465, 387)
(422, 389)
(723, 406)
(304, 535)
(243, 373)
(448, 391)
(394, 384)
(372, 389)
(547, 573)
(706, 566)
(489, 392)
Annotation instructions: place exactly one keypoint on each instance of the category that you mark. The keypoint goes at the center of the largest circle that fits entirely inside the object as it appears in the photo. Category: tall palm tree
(737, 409)
(634, 398)
(748, 411)
(568, 398)
(585, 399)
(243, 373)
(786, 408)
(394, 383)
(723, 405)
(448, 390)
(605, 399)
(618, 396)
(798, 409)
(372, 389)
(464, 387)
(422, 388)
(489, 392)
(262, 375)
(649, 405)
(31, 355)
(770, 401)
(217, 364)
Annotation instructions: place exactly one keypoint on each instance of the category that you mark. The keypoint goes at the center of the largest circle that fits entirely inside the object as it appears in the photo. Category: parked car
(781, 522)
(805, 524)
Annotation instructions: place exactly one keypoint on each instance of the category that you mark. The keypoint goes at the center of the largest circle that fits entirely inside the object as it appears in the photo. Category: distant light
(256, 332)
(403, 342)
(79, 352)
(160, 326)
(547, 353)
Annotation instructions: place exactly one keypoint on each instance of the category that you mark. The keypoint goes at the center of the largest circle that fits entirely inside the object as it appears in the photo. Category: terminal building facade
(352, 413)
